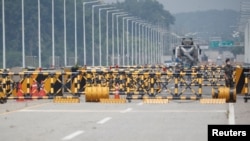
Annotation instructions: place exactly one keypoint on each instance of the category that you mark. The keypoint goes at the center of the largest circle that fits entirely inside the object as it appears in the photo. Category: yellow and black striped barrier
(66, 99)
(113, 101)
(155, 101)
(133, 81)
(246, 86)
(227, 93)
(213, 101)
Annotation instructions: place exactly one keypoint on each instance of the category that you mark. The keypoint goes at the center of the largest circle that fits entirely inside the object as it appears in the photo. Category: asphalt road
(43, 120)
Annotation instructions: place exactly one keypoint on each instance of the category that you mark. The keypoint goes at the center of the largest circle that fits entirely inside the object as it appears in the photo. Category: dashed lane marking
(72, 135)
(104, 120)
(127, 110)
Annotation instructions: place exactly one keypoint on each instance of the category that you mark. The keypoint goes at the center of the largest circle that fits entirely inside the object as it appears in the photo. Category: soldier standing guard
(228, 74)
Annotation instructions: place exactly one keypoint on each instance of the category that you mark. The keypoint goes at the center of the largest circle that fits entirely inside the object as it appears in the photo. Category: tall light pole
(123, 37)
(128, 50)
(53, 36)
(152, 44)
(145, 44)
(107, 35)
(148, 42)
(128, 42)
(155, 44)
(3, 24)
(84, 30)
(23, 41)
(100, 33)
(132, 43)
(93, 32)
(75, 33)
(141, 40)
(145, 41)
(113, 42)
(39, 37)
(117, 34)
(136, 43)
(139, 47)
(64, 29)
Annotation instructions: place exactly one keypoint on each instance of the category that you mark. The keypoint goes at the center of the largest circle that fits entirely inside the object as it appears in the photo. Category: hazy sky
(179, 6)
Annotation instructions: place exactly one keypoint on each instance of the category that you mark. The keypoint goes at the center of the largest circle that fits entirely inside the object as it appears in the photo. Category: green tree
(149, 10)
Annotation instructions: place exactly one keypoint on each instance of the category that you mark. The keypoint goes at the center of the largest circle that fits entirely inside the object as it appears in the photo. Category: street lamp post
(141, 37)
(133, 42)
(146, 42)
(113, 42)
(65, 38)
(107, 34)
(39, 37)
(93, 32)
(139, 44)
(123, 38)
(84, 31)
(100, 32)
(23, 43)
(3, 24)
(117, 30)
(136, 43)
(128, 42)
(75, 33)
(139, 47)
(53, 36)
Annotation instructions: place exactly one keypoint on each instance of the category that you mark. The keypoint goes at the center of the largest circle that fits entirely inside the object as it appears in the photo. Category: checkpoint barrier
(102, 82)
(37, 85)
(138, 82)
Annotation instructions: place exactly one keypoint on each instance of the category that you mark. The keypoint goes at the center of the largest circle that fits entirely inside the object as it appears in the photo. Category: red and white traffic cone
(117, 96)
(20, 92)
(42, 91)
(34, 91)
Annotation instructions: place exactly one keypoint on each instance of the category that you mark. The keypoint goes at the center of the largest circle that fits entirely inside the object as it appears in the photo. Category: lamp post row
(147, 37)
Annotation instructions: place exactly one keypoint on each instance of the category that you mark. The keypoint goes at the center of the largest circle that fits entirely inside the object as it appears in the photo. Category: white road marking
(127, 110)
(71, 136)
(68, 111)
(231, 116)
(179, 111)
(139, 104)
(124, 111)
(104, 120)
(8, 112)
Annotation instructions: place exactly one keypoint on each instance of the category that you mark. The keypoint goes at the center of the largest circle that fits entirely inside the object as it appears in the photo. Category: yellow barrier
(213, 101)
(66, 99)
(225, 93)
(94, 94)
(111, 101)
